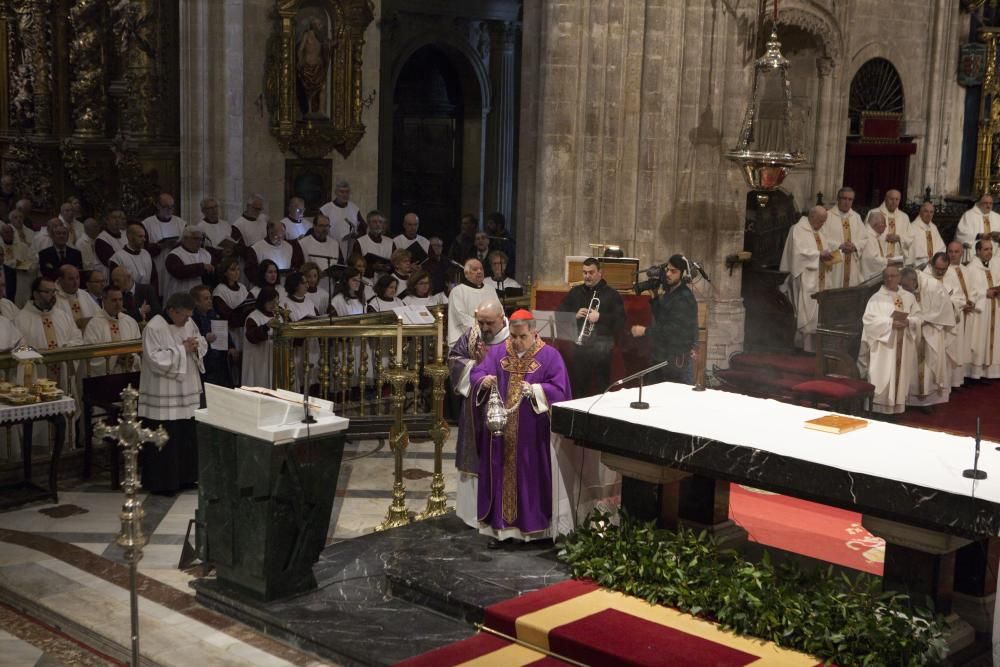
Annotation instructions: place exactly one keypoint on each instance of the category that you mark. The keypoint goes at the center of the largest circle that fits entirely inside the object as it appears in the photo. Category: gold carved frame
(298, 128)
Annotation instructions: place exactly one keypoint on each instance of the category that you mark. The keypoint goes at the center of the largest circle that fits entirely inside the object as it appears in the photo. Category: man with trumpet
(600, 314)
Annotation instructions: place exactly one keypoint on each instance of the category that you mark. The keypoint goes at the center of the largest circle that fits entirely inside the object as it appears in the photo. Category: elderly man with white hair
(465, 298)
(845, 228)
(897, 224)
(274, 247)
(979, 220)
(251, 226)
(187, 263)
(346, 221)
(489, 329)
(163, 230)
(295, 222)
(925, 239)
(807, 259)
(874, 251)
(218, 233)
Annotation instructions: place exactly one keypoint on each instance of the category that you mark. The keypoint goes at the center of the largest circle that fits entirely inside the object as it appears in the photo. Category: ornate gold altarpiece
(91, 96)
(313, 78)
(987, 175)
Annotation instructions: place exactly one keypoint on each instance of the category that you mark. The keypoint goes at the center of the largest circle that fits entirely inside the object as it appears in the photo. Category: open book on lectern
(270, 414)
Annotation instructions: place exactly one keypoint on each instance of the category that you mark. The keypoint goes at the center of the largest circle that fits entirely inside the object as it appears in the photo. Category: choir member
(188, 264)
(258, 340)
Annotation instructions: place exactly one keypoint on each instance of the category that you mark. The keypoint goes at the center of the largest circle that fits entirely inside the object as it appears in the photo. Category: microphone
(461, 266)
(701, 271)
(640, 404)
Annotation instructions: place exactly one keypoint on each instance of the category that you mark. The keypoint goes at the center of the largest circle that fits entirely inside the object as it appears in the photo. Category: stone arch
(817, 21)
(467, 59)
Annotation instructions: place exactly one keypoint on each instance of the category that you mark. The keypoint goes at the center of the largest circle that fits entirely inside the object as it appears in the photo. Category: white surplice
(62, 332)
(215, 233)
(170, 376)
(936, 351)
(462, 304)
(172, 284)
(806, 275)
(892, 353)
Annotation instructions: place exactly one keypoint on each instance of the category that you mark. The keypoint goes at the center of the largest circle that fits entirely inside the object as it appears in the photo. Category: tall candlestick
(439, 348)
(399, 343)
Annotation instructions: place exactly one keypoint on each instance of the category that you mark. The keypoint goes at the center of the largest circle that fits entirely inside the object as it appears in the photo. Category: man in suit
(139, 301)
(58, 254)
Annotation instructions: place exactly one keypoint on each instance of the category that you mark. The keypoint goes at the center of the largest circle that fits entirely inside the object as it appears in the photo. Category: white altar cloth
(930, 459)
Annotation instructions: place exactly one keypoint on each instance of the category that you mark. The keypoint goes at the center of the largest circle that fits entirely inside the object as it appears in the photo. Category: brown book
(836, 424)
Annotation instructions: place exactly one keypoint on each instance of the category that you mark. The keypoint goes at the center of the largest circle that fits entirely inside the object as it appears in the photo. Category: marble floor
(64, 596)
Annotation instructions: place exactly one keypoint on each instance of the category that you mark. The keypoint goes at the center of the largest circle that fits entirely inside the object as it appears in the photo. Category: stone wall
(227, 150)
(628, 105)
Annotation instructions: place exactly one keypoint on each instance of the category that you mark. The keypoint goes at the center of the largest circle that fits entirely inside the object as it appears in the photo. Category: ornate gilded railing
(387, 377)
(349, 360)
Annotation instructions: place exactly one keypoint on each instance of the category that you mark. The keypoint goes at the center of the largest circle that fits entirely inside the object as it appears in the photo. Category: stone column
(823, 179)
(212, 109)
(501, 130)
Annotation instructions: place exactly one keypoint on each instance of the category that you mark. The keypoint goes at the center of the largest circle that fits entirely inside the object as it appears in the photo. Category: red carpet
(959, 414)
(581, 622)
(825, 533)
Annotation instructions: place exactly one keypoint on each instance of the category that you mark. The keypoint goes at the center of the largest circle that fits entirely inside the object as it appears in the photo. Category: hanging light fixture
(764, 151)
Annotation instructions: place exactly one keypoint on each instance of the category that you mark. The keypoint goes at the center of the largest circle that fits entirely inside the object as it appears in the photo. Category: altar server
(890, 333)
(169, 392)
(515, 468)
(490, 329)
(807, 258)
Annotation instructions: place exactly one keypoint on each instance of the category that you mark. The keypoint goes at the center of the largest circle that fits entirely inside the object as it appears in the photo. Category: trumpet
(587, 328)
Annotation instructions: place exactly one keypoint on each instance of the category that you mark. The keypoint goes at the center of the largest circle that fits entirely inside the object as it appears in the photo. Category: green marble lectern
(264, 508)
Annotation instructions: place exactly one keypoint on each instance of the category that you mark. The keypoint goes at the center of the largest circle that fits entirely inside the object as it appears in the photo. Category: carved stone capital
(824, 66)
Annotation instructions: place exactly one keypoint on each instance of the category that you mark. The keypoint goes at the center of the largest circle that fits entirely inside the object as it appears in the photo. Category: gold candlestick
(399, 439)
(130, 433)
(437, 502)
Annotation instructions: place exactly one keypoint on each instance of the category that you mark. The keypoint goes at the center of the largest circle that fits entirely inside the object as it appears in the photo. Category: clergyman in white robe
(986, 334)
(103, 328)
(804, 259)
(465, 298)
(845, 229)
(978, 220)
(892, 350)
(931, 384)
(897, 223)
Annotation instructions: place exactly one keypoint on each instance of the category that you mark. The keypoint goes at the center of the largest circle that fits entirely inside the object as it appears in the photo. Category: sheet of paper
(221, 330)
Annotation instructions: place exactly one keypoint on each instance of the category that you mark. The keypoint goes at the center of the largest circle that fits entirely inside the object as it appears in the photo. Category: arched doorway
(878, 154)
(437, 142)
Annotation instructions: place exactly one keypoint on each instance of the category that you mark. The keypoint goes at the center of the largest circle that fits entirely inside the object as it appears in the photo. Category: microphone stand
(306, 367)
(975, 472)
(640, 404)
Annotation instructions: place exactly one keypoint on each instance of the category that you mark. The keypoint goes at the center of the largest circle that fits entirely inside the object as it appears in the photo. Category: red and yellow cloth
(584, 624)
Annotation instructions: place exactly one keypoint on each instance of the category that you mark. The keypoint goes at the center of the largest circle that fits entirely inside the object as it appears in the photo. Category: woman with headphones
(674, 331)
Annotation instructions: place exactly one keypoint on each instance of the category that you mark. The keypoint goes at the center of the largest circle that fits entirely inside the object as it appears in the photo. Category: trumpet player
(600, 314)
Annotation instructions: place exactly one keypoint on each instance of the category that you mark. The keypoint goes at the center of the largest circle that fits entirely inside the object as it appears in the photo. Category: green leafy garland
(823, 614)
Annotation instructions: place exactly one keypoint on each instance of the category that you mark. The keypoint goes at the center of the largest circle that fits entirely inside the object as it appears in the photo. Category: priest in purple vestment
(489, 330)
(515, 468)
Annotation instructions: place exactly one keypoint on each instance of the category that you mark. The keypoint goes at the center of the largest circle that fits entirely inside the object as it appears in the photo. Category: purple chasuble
(515, 471)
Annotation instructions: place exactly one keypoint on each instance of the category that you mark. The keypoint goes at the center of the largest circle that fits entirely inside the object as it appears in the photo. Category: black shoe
(494, 544)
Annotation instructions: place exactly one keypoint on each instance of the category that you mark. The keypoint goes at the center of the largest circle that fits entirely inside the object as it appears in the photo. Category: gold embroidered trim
(517, 368)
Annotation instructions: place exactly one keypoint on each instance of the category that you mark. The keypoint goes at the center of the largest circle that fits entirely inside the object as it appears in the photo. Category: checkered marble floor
(61, 562)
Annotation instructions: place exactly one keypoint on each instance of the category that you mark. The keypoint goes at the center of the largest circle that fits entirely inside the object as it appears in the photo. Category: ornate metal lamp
(763, 152)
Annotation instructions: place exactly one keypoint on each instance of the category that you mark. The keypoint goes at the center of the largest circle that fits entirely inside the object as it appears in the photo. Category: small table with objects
(55, 412)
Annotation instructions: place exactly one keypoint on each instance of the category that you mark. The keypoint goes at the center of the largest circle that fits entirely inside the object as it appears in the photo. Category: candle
(399, 343)
(440, 341)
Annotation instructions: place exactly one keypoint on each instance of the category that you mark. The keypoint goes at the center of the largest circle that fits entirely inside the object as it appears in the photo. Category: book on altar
(836, 424)
(414, 314)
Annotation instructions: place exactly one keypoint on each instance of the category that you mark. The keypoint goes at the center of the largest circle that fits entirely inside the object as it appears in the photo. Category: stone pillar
(824, 180)
(212, 109)
(500, 126)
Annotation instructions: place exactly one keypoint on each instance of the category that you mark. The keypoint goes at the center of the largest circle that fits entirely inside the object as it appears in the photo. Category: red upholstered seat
(791, 364)
(860, 386)
(829, 389)
(755, 383)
